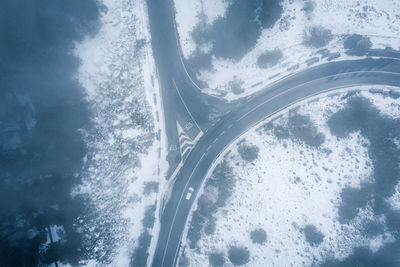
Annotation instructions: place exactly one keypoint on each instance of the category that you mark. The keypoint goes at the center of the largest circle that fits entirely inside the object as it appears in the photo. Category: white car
(189, 193)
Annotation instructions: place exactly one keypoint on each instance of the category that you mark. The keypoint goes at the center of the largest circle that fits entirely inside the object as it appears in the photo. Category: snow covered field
(125, 166)
(307, 33)
(287, 179)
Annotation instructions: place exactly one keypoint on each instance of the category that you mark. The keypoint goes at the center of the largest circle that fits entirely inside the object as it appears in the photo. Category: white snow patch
(377, 242)
(130, 133)
(378, 20)
(394, 200)
(289, 186)
(386, 105)
(127, 145)
(189, 13)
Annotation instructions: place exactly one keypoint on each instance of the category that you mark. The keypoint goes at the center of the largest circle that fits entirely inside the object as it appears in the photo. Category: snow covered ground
(188, 16)
(288, 177)
(125, 164)
(295, 39)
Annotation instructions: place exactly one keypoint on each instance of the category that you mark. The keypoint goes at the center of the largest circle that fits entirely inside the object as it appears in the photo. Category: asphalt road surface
(184, 103)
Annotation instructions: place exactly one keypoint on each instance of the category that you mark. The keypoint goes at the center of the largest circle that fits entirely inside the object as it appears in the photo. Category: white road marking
(316, 66)
(185, 141)
(186, 149)
(190, 114)
(251, 125)
(176, 211)
(292, 88)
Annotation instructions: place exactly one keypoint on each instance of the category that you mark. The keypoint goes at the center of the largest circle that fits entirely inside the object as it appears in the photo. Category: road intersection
(199, 137)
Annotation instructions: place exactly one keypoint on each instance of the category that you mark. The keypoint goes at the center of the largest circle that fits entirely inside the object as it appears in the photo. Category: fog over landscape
(199, 133)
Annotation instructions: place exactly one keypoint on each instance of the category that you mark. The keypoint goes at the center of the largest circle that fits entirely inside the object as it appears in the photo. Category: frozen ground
(307, 33)
(124, 167)
(290, 192)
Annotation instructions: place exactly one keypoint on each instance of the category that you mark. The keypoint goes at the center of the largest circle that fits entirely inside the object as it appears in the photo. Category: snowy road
(185, 105)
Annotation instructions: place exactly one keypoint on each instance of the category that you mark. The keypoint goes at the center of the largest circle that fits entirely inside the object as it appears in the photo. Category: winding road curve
(382, 69)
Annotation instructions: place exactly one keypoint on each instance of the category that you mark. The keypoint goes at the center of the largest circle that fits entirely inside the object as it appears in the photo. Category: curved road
(271, 100)
(182, 102)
